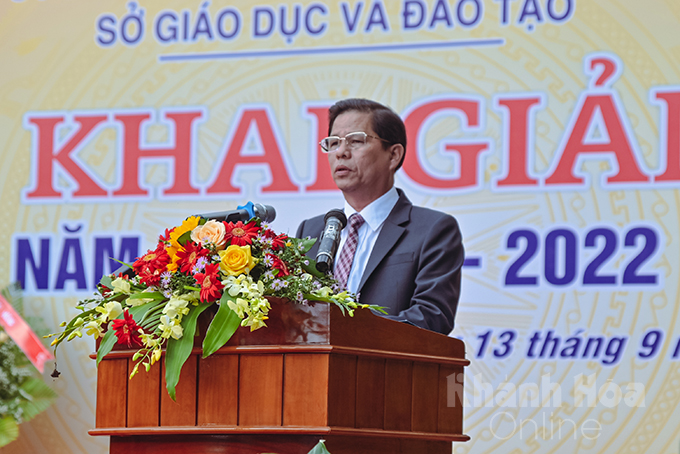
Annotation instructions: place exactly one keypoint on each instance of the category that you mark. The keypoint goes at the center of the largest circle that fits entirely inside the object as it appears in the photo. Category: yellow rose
(211, 232)
(236, 260)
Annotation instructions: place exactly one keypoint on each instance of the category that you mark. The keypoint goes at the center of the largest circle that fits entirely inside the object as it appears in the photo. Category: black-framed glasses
(353, 141)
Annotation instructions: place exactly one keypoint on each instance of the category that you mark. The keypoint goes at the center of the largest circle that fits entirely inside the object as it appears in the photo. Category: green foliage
(23, 393)
(178, 350)
(107, 343)
(320, 448)
(186, 236)
(222, 327)
(106, 280)
(41, 397)
(9, 430)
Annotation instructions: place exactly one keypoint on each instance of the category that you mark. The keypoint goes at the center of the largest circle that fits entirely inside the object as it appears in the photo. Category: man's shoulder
(315, 219)
(418, 214)
(311, 226)
(428, 213)
(423, 216)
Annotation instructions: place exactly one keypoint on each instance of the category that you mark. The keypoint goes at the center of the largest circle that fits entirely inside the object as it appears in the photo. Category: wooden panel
(218, 390)
(342, 444)
(342, 390)
(305, 390)
(260, 390)
(425, 397)
(450, 400)
(367, 330)
(181, 412)
(289, 324)
(324, 324)
(398, 394)
(370, 393)
(266, 443)
(112, 382)
(144, 392)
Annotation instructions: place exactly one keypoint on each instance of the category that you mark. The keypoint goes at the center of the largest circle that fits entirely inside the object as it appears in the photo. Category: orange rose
(211, 232)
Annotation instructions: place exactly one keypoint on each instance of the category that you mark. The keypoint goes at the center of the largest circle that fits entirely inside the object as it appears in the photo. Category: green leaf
(156, 296)
(151, 323)
(9, 430)
(106, 281)
(304, 245)
(140, 311)
(177, 351)
(42, 396)
(222, 327)
(320, 448)
(121, 262)
(311, 268)
(186, 237)
(108, 341)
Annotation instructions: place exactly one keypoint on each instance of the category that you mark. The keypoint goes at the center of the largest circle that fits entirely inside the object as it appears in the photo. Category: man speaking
(391, 253)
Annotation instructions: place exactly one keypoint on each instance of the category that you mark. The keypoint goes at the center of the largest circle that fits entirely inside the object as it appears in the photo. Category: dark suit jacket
(414, 270)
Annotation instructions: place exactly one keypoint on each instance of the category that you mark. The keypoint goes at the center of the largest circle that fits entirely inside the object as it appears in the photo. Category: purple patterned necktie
(346, 257)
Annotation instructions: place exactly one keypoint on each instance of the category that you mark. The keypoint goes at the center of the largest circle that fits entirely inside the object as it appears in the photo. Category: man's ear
(396, 154)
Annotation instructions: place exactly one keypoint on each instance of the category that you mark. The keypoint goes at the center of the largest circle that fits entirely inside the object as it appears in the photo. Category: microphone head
(323, 264)
(330, 238)
(338, 214)
(266, 213)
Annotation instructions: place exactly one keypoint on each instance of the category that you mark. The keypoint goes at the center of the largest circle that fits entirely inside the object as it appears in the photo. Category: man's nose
(343, 150)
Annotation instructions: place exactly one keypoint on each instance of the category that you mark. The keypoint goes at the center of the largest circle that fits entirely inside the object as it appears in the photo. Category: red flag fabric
(22, 334)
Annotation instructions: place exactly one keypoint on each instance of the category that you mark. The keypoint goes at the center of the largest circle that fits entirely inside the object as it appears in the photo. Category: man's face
(366, 173)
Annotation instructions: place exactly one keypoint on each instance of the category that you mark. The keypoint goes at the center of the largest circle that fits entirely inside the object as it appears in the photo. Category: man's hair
(384, 121)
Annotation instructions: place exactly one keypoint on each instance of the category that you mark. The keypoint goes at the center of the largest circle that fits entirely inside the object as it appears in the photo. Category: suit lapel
(392, 230)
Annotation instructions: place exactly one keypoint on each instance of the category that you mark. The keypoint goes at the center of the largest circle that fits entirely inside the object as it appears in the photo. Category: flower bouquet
(198, 264)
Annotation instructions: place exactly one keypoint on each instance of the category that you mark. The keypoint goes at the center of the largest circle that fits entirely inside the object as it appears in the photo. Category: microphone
(244, 213)
(266, 213)
(330, 239)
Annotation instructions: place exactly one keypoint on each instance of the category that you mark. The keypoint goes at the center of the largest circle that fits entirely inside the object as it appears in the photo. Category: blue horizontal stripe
(331, 50)
(472, 262)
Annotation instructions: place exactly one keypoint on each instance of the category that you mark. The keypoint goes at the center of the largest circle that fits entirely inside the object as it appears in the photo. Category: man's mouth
(342, 170)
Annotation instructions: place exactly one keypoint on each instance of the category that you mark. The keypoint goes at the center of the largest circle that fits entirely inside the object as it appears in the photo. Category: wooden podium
(364, 384)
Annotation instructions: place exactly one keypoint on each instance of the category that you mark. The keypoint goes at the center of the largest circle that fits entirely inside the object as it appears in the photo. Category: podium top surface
(322, 324)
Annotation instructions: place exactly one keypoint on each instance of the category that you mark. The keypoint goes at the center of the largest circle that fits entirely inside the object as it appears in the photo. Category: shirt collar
(377, 211)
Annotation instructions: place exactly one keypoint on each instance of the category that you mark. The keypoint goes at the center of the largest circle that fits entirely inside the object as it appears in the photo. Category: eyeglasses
(353, 141)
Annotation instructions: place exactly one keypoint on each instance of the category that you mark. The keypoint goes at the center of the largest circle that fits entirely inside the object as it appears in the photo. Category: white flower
(93, 329)
(121, 285)
(109, 311)
(240, 306)
(176, 307)
(170, 327)
(190, 296)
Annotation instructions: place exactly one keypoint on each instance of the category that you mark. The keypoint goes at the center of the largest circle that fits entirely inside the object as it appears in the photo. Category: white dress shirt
(374, 214)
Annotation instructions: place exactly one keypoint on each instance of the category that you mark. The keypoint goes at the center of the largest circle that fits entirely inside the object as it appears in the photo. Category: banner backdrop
(549, 128)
